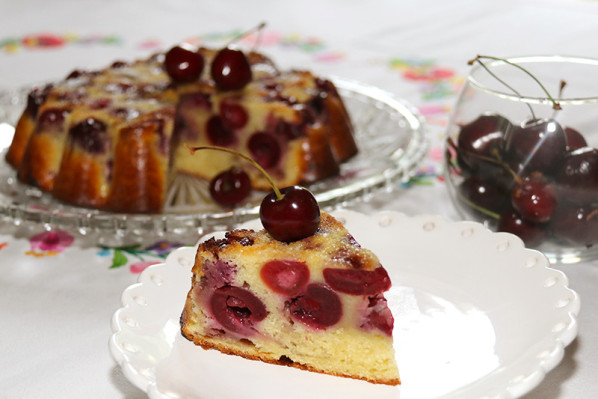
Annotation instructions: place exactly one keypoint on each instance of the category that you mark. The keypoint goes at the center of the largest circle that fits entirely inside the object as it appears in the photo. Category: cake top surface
(145, 83)
(332, 246)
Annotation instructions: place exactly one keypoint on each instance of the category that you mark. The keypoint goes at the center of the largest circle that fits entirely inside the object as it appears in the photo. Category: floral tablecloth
(58, 290)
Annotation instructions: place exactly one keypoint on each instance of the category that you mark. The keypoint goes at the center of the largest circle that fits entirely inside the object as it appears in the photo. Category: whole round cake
(119, 139)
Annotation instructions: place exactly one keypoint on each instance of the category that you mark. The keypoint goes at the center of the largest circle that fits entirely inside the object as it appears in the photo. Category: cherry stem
(258, 29)
(478, 58)
(531, 110)
(562, 86)
(592, 215)
(497, 160)
(279, 196)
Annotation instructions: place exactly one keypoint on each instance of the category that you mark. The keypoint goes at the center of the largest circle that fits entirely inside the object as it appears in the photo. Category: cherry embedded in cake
(316, 303)
(117, 139)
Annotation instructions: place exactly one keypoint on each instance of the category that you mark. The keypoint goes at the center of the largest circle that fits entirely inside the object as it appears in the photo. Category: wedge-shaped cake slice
(315, 304)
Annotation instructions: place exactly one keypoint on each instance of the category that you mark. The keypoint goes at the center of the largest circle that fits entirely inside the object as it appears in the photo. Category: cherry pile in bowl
(537, 179)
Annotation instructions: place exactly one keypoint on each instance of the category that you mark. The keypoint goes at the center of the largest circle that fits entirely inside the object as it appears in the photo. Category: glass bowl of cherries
(521, 152)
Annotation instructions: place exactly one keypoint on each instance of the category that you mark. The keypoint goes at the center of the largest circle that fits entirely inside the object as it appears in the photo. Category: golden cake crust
(282, 361)
(300, 113)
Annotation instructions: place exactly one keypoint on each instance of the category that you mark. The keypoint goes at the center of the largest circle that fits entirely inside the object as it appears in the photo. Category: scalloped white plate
(477, 315)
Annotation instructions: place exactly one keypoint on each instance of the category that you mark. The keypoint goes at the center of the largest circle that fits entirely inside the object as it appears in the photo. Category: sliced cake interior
(315, 304)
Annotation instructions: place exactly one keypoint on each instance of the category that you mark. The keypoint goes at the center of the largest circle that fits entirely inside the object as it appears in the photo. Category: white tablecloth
(56, 300)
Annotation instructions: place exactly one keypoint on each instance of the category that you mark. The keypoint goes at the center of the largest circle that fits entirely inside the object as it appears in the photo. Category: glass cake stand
(390, 136)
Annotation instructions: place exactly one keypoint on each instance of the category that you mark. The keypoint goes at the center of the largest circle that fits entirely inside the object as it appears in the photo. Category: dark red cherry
(100, 103)
(195, 100)
(237, 309)
(286, 277)
(230, 70)
(35, 98)
(52, 118)
(264, 149)
(318, 307)
(577, 176)
(534, 199)
(316, 106)
(233, 115)
(75, 73)
(487, 193)
(90, 134)
(575, 139)
(378, 315)
(118, 64)
(357, 282)
(538, 145)
(532, 234)
(231, 187)
(482, 138)
(293, 217)
(218, 133)
(288, 131)
(183, 65)
(576, 225)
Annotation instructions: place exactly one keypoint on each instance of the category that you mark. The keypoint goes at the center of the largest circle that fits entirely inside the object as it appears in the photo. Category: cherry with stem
(230, 68)
(290, 214)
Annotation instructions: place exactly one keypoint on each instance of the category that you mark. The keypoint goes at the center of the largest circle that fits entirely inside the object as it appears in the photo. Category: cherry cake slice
(316, 304)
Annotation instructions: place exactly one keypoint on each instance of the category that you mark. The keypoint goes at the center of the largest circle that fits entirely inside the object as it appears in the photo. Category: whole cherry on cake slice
(287, 214)
(290, 215)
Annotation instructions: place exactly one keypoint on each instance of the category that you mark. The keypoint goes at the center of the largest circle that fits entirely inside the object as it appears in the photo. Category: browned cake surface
(297, 128)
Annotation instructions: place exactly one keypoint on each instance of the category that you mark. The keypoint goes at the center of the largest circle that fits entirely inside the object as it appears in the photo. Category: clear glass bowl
(390, 136)
(518, 162)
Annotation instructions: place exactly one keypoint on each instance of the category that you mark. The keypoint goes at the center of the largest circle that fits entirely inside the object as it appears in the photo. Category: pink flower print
(50, 242)
(262, 38)
(330, 56)
(138, 267)
(427, 73)
(436, 153)
(44, 40)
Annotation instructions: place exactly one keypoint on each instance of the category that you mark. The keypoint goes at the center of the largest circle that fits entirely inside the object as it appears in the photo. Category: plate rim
(516, 387)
